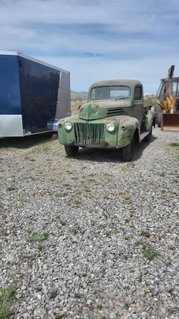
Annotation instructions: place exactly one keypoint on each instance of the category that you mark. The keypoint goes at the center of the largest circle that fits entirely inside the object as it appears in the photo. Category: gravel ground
(90, 237)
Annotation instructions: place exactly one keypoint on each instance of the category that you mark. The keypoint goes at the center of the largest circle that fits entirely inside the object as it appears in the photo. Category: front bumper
(94, 134)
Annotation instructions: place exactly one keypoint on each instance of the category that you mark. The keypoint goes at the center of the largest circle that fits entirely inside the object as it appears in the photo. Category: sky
(96, 39)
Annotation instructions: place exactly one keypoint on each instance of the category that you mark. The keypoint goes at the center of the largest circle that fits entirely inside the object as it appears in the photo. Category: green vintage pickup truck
(113, 117)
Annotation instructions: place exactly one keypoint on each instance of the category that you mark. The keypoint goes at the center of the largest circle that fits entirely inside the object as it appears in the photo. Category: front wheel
(71, 150)
(128, 151)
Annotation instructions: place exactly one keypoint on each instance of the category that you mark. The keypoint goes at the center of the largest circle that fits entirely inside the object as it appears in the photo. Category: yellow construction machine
(168, 102)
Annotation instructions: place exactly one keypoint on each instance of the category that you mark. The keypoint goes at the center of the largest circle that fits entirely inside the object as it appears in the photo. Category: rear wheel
(128, 151)
(159, 119)
(71, 150)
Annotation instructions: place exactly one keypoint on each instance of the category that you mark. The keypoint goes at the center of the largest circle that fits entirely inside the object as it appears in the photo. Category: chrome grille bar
(88, 133)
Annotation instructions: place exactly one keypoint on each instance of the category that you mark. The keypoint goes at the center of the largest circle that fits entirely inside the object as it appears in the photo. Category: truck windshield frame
(114, 92)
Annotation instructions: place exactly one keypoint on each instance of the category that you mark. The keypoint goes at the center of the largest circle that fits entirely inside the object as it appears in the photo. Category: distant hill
(79, 95)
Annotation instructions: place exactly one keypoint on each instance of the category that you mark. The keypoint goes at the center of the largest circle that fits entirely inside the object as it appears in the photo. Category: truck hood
(105, 108)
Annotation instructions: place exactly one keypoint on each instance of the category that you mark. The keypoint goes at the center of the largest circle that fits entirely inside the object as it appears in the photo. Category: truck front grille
(89, 134)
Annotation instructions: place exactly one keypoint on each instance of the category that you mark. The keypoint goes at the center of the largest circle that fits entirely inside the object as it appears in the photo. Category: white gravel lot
(110, 230)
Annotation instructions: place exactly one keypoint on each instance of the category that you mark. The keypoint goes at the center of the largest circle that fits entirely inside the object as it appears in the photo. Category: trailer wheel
(128, 151)
(71, 150)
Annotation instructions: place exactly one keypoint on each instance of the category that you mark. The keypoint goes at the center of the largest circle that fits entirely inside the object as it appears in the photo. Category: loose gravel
(90, 237)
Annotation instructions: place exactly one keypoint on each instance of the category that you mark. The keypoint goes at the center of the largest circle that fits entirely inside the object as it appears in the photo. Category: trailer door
(10, 102)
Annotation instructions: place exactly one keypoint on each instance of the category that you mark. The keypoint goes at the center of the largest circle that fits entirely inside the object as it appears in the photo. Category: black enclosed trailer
(34, 95)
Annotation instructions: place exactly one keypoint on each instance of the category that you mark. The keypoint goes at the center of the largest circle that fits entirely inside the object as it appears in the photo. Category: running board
(143, 135)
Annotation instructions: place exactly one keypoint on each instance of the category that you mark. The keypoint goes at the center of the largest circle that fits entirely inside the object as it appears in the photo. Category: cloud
(114, 39)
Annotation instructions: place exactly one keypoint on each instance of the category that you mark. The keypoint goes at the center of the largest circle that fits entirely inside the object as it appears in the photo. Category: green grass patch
(150, 252)
(162, 174)
(12, 188)
(32, 159)
(67, 186)
(5, 312)
(23, 199)
(6, 296)
(38, 237)
(174, 144)
(61, 194)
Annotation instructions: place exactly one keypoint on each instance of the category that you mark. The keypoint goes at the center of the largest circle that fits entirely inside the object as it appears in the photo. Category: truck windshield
(110, 92)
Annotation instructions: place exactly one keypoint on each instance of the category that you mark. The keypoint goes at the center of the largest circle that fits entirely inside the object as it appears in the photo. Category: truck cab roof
(130, 83)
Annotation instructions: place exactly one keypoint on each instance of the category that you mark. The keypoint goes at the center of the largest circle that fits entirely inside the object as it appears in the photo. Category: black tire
(128, 151)
(158, 115)
(149, 137)
(71, 150)
(159, 119)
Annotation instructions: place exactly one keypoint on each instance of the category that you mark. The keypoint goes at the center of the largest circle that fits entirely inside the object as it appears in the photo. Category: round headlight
(110, 127)
(68, 126)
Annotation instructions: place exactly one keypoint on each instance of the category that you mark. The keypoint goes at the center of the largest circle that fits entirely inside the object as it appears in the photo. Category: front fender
(128, 126)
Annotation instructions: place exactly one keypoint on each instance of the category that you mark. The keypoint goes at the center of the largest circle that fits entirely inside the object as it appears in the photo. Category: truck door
(138, 109)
